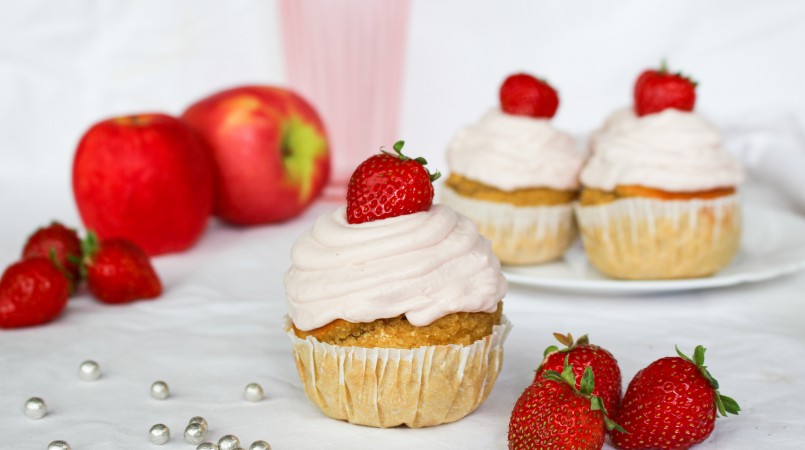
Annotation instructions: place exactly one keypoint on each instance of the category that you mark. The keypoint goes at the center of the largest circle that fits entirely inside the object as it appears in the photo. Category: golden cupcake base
(641, 239)
(386, 387)
(397, 332)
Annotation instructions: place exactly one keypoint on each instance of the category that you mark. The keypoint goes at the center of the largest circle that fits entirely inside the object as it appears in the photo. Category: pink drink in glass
(346, 57)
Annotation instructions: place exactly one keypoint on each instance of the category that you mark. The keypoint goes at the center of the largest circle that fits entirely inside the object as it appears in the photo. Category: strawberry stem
(664, 70)
(89, 246)
(398, 146)
(60, 267)
(663, 66)
(725, 405)
(564, 339)
(587, 381)
(567, 341)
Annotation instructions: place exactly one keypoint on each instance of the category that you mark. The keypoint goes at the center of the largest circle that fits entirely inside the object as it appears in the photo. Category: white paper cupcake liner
(519, 234)
(641, 238)
(386, 387)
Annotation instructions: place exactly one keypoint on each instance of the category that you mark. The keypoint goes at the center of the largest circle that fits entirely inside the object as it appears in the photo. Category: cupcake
(516, 176)
(394, 304)
(659, 191)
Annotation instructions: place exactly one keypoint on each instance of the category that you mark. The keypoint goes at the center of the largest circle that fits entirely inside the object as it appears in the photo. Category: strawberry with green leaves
(389, 185)
(118, 271)
(59, 244)
(658, 90)
(671, 405)
(553, 413)
(581, 354)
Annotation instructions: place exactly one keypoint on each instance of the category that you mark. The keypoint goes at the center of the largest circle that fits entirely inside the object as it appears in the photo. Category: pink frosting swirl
(424, 265)
(675, 151)
(514, 152)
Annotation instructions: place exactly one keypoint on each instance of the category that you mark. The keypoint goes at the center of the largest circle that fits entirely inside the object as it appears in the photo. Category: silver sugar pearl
(199, 419)
(195, 433)
(260, 445)
(228, 442)
(35, 408)
(58, 445)
(253, 392)
(160, 390)
(238, 448)
(159, 434)
(207, 446)
(89, 370)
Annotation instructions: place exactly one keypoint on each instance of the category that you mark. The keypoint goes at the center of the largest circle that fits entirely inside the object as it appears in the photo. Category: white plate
(772, 245)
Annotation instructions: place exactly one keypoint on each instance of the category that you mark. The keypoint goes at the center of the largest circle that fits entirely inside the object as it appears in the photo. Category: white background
(65, 65)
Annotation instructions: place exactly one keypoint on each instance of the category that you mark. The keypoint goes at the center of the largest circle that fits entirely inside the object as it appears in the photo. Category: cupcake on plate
(516, 176)
(394, 304)
(659, 191)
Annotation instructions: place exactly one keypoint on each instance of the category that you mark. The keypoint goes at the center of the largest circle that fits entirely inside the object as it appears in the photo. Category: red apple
(145, 178)
(270, 151)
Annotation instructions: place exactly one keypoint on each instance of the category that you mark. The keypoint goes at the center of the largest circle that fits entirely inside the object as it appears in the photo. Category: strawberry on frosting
(522, 94)
(661, 142)
(389, 185)
(515, 146)
(390, 252)
(658, 90)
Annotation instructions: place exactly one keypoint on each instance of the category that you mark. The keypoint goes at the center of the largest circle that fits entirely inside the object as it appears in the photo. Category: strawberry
(523, 95)
(32, 292)
(553, 413)
(118, 271)
(581, 354)
(671, 405)
(658, 90)
(389, 185)
(60, 242)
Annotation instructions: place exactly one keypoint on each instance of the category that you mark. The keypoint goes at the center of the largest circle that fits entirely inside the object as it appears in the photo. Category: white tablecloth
(217, 328)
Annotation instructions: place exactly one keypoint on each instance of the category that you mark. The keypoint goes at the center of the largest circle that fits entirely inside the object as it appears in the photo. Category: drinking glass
(346, 57)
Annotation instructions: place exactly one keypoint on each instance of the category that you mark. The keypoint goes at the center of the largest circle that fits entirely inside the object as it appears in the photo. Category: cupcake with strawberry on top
(395, 304)
(659, 198)
(516, 176)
